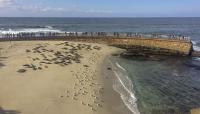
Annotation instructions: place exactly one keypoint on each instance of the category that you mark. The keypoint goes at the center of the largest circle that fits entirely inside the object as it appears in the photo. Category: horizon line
(92, 17)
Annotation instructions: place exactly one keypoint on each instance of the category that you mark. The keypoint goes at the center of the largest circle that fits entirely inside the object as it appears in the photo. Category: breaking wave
(196, 45)
(123, 85)
(45, 29)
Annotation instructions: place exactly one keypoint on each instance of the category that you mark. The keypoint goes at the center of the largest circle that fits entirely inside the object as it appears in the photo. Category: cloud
(47, 9)
(15, 7)
(6, 3)
(38, 8)
(28, 8)
(98, 11)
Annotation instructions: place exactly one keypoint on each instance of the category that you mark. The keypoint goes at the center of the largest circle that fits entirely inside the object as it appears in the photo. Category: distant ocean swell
(123, 85)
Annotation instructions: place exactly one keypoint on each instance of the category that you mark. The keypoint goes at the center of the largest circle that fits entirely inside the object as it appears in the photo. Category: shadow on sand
(2, 59)
(2, 111)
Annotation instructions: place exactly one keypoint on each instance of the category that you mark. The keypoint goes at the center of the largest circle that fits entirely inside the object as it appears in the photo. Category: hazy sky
(100, 8)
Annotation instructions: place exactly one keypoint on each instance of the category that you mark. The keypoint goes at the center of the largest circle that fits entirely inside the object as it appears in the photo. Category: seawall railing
(148, 43)
(50, 35)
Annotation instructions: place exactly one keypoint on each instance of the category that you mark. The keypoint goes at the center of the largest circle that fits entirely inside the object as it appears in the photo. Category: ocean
(170, 85)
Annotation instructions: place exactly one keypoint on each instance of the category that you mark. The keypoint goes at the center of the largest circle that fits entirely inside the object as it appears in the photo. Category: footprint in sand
(83, 103)
(74, 98)
(68, 93)
(99, 105)
(90, 105)
(93, 109)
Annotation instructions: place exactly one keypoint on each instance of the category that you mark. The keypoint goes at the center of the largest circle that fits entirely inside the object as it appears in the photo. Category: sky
(99, 8)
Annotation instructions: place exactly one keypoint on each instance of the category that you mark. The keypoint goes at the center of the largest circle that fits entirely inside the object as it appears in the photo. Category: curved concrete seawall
(157, 46)
(148, 45)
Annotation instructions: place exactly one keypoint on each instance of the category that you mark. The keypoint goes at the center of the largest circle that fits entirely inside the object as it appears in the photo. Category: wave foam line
(123, 85)
(30, 30)
(120, 66)
(129, 98)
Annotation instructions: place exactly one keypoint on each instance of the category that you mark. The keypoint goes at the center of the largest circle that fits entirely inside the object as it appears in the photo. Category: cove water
(167, 86)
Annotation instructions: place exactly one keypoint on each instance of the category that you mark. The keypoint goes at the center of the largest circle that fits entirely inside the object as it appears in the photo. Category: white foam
(164, 36)
(196, 58)
(196, 48)
(194, 42)
(49, 27)
(30, 30)
(118, 65)
(123, 85)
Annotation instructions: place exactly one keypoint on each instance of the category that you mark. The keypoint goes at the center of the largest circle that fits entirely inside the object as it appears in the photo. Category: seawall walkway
(154, 44)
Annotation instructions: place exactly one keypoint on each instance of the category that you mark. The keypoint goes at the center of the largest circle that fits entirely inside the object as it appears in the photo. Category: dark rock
(1, 65)
(27, 66)
(56, 62)
(97, 48)
(21, 70)
(37, 59)
(34, 68)
(39, 68)
(34, 59)
(85, 65)
(28, 51)
(109, 68)
(115, 54)
(196, 54)
(77, 61)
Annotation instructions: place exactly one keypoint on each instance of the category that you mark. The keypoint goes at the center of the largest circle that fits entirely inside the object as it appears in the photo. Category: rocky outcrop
(154, 46)
(195, 54)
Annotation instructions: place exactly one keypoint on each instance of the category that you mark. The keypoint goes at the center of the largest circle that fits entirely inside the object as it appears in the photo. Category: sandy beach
(57, 77)
(195, 111)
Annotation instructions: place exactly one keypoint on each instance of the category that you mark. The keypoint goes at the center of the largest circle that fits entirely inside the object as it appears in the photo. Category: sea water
(167, 86)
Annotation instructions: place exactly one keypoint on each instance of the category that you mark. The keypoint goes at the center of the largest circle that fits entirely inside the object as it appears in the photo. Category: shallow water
(170, 86)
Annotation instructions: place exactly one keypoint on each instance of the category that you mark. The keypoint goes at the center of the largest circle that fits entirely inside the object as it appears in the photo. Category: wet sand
(57, 77)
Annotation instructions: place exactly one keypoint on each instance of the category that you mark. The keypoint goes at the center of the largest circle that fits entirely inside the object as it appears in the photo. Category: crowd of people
(88, 34)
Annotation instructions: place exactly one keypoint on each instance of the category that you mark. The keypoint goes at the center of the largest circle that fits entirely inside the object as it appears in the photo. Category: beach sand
(195, 111)
(57, 77)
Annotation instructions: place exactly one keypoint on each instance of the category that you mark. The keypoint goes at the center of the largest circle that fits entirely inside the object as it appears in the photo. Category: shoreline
(118, 106)
(57, 87)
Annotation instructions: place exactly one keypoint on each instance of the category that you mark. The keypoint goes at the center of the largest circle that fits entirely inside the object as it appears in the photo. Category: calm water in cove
(168, 86)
